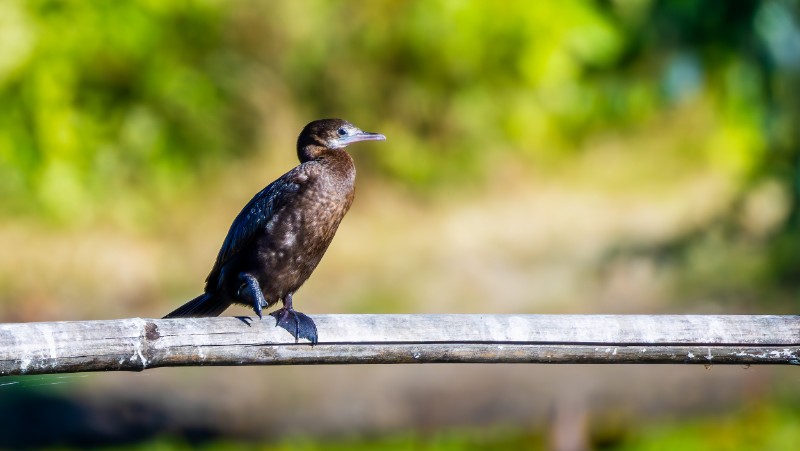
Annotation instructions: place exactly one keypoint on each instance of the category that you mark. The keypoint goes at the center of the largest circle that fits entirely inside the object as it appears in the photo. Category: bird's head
(324, 135)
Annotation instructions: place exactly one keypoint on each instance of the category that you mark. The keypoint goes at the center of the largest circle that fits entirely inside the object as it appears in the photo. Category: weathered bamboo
(137, 344)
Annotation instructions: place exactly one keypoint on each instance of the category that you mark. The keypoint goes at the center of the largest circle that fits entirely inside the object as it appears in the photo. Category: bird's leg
(251, 290)
(298, 324)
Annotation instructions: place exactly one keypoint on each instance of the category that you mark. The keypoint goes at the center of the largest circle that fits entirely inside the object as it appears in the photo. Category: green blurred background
(616, 156)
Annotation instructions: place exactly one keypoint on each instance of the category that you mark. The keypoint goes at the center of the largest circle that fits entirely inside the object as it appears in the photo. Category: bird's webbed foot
(251, 290)
(298, 324)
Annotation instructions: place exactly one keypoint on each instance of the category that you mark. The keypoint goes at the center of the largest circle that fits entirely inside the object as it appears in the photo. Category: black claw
(257, 307)
(298, 324)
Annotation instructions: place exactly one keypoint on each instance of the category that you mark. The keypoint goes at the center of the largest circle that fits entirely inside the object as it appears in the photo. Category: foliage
(104, 97)
(756, 427)
(109, 105)
(107, 98)
(483, 439)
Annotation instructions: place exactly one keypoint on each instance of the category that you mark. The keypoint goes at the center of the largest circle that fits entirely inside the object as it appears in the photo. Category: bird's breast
(299, 234)
(323, 207)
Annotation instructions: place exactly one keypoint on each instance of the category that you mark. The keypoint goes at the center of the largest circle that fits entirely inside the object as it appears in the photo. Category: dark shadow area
(34, 419)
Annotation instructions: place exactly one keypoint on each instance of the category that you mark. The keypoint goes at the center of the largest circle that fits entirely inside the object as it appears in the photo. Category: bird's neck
(337, 160)
(311, 151)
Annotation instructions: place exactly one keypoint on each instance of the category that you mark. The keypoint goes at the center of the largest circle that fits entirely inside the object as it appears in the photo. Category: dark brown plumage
(277, 240)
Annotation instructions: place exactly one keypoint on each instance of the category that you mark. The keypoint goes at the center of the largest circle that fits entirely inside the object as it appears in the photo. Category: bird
(280, 236)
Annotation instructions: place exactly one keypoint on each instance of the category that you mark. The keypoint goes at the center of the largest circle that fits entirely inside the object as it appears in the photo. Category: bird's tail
(203, 305)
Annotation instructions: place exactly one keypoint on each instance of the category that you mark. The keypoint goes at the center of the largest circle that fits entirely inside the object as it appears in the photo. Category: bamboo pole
(137, 344)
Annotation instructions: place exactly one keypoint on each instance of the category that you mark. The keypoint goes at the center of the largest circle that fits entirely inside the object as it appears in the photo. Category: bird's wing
(254, 217)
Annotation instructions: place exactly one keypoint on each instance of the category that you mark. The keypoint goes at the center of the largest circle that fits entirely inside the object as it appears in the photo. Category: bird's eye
(341, 131)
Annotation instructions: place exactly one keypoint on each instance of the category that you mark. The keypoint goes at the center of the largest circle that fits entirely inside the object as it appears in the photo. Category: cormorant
(279, 237)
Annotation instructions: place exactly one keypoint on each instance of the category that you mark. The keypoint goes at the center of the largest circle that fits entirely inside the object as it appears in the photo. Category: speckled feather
(253, 218)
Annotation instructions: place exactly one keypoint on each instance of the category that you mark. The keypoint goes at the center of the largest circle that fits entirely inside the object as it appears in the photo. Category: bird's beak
(362, 136)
